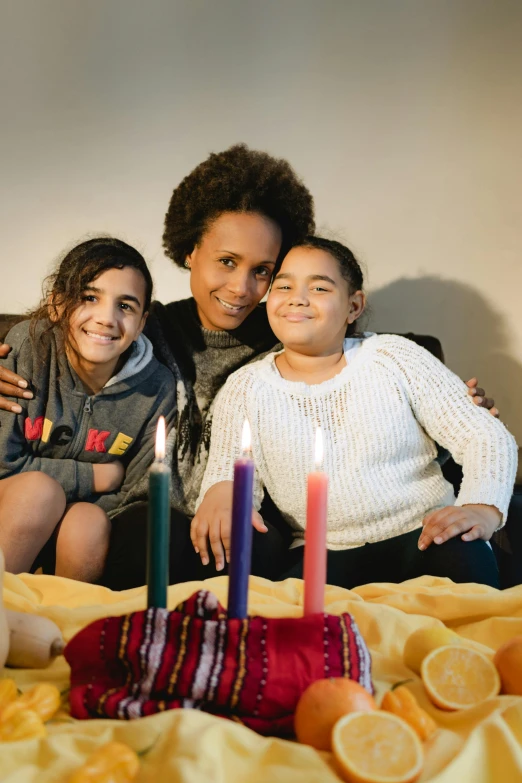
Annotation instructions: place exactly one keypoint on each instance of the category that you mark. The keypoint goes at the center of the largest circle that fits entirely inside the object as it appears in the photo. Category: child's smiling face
(109, 318)
(310, 304)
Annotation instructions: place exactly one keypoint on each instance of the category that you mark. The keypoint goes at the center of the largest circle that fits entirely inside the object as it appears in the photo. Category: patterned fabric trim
(252, 670)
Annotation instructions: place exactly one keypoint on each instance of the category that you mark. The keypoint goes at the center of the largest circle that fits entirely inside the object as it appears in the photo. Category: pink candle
(315, 534)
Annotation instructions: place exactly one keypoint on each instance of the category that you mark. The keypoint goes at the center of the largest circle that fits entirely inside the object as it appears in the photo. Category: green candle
(158, 532)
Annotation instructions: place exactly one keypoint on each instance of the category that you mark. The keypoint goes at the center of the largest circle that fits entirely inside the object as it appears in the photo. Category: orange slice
(323, 703)
(457, 677)
(377, 747)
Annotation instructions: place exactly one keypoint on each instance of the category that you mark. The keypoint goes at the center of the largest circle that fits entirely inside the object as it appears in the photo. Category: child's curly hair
(62, 290)
(237, 180)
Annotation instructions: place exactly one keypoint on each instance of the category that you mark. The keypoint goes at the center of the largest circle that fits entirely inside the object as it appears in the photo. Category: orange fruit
(508, 660)
(322, 704)
(457, 677)
(421, 642)
(377, 747)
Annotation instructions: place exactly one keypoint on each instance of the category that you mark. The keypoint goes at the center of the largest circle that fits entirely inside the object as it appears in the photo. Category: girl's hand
(11, 385)
(473, 521)
(108, 476)
(213, 521)
(480, 399)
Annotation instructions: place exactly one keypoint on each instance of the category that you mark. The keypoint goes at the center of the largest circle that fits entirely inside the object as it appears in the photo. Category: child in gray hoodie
(69, 459)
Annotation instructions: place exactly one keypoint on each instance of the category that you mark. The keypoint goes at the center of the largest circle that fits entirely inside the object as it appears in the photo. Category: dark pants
(393, 560)
(399, 558)
(126, 560)
(507, 544)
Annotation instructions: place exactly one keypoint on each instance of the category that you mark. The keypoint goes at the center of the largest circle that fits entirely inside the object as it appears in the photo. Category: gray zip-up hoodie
(62, 431)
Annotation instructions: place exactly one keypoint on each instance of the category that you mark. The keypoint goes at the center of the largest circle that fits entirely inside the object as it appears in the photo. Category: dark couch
(507, 544)
(6, 322)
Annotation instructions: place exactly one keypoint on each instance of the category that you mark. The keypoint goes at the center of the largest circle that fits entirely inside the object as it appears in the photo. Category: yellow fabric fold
(483, 745)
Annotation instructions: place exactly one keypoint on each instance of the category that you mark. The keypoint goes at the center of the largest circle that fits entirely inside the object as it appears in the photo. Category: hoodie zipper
(79, 438)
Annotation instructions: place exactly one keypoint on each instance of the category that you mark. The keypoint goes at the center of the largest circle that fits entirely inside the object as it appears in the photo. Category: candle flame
(160, 438)
(319, 450)
(246, 437)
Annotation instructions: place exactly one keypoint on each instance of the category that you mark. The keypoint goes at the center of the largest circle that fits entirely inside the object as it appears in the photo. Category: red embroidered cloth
(251, 670)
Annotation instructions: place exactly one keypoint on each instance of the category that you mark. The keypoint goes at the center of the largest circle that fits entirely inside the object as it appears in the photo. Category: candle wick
(319, 464)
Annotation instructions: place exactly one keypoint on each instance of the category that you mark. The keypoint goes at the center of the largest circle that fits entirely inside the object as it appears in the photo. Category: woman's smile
(232, 308)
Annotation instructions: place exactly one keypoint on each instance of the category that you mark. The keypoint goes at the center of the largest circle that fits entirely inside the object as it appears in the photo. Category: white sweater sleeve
(230, 412)
(475, 439)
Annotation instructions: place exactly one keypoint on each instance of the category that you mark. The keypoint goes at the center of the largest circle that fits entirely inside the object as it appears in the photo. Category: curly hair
(237, 180)
(62, 290)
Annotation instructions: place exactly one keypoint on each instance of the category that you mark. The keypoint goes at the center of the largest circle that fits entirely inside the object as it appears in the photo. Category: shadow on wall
(474, 336)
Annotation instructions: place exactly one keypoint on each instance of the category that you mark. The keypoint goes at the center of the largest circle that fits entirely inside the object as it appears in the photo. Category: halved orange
(377, 747)
(508, 660)
(323, 703)
(457, 677)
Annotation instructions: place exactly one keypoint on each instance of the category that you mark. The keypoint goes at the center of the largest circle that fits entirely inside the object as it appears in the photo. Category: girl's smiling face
(310, 304)
(108, 319)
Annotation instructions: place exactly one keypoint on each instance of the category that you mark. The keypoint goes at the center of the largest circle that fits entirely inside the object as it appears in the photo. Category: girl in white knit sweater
(382, 403)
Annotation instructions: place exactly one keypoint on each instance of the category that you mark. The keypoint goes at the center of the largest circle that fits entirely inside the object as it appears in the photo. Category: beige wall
(403, 116)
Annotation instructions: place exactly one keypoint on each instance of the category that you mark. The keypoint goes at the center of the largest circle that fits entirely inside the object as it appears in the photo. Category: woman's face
(230, 269)
(310, 305)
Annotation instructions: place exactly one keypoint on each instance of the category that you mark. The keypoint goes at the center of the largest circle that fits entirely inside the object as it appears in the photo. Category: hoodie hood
(141, 356)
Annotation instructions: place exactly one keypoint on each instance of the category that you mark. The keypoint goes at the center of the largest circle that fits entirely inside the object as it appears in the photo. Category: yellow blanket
(483, 745)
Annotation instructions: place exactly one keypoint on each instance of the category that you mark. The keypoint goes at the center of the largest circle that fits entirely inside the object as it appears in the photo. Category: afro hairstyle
(237, 180)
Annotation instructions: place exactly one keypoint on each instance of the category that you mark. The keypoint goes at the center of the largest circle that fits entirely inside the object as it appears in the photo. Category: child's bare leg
(82, 543)
(31, 505)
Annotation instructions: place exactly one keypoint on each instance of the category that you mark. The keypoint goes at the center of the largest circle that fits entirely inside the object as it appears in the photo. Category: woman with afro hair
(229, 223)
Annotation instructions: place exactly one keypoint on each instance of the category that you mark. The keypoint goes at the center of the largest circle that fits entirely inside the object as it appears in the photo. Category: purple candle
(241, 533)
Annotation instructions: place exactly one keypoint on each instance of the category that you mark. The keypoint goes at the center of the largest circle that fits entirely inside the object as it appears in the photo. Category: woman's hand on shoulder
(471, 521)
(11, 384)
(479, 397)
(213, 523)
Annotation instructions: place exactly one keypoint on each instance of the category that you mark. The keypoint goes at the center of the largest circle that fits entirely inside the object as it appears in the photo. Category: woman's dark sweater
(201, 360)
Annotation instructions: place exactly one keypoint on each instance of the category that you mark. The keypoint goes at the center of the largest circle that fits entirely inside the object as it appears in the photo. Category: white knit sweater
(380, 418)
